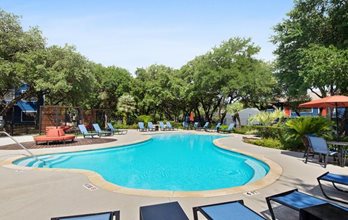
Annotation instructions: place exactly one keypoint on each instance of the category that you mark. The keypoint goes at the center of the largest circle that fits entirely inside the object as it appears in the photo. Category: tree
(312, 28)
(126, 105)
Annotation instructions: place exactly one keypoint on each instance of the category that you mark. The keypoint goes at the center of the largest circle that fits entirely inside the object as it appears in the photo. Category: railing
(19, 144)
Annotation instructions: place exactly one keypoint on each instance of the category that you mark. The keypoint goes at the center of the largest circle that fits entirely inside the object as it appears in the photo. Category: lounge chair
(334, 179)
(216, 129)
(206, 126)
(185, 125)
(228, 130)
(169, 126)
(318, 146)
(141, 126)
(165, 211)
(116, 130)
(150, 126)
(296, 200)
(161, 126)
(85, 133)
(196, 126)
(100, 131)
(228, 210)
(95, 216)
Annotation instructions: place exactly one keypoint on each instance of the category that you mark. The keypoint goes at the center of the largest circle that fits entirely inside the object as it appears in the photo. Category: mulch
(76, 142)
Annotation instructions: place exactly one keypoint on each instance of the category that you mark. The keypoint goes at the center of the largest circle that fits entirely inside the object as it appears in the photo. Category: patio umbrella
(328, 102)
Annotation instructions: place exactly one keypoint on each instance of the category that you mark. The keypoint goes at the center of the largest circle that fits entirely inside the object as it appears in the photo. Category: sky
(139, 33)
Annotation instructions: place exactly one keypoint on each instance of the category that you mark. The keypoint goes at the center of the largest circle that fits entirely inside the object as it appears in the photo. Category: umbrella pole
(337, 122)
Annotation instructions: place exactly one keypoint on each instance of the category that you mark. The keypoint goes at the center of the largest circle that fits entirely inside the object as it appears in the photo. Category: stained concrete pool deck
(34, 194)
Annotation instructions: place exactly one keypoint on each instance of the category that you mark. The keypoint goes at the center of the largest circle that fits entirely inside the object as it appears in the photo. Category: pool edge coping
(273, 174)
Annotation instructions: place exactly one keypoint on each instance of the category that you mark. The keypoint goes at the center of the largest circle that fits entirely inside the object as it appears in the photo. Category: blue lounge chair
(169, 126)
(85, 133)
(150, 126)
(196, 126)
(185, 125)
(94, 216)
(206, 126)
(318, 146)
(216, 129)
(229, 129)
(228, 210)
(295, 200)
(115, 130)
(165, 211)
(334, 179)
(161, 126)
(141, 126)
(100, 131)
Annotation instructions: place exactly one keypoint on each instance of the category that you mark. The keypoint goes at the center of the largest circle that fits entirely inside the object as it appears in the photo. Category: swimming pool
(175, 162)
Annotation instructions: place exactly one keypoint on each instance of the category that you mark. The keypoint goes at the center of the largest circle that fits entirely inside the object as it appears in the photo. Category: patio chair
(293, 199)
(206, 126)
(318, 146)
(167, 211)
(228, 210)
(85, 133)
(196, 126)
(95, 216)
(169, 126)
(228, 130)
(150, 126)
(161, 126)
(141, 126)
(100, 131)
(334, 179)
(116, 130)
(216, 129)
(185, 125)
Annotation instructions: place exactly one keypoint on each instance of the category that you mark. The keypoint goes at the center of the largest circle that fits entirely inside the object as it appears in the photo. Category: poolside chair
(85, 133)
(116, 130)
(95, 216)
(141, 126)
(165, 211)
(228, 130)
(216, 129)
(169, 126)
(206, 126)
(100, 131)
(297, 200)
(334, 179)
(318, 146)
(196, 126)
(161, 126)
(185, 125)
(228, 210)
(150, 126)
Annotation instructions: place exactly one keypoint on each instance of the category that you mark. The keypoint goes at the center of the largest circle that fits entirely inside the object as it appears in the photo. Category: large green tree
(314, 34)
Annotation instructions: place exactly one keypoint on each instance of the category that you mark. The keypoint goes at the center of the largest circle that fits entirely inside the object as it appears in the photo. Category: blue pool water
(180, 162)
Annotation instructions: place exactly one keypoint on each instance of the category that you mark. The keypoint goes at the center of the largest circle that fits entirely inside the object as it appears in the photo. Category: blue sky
(139, 33)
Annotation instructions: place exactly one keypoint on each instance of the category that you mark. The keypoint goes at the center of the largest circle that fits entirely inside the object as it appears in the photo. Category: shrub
(244, 130)
(266, 142)
(123, 126)
(269, 131)
(266, 118)
(144, 118)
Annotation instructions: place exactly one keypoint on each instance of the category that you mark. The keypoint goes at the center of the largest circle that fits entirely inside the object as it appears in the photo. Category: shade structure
(327, 102)
(335, 101)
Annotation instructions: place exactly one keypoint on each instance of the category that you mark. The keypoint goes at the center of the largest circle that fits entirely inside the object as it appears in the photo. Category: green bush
(266, 142)
(144, 118)
(244, 130)
(123, 126)
(274, 132)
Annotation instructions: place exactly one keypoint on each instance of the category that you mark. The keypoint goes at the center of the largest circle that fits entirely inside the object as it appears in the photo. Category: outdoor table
(167, 211)
(325, 211)
(342, 150)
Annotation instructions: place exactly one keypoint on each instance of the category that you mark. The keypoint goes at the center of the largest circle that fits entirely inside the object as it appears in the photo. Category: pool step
(44, 161)
(259, 170)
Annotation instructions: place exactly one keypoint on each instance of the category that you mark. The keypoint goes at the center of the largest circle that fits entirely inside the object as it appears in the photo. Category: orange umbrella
(328, 102)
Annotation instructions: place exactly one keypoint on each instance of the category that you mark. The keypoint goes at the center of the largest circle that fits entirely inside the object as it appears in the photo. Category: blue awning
(27, 106)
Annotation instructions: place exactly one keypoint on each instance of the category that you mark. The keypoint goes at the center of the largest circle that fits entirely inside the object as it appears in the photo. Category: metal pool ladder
(19, 144)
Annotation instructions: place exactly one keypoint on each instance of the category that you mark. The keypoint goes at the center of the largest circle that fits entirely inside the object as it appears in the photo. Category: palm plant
(266, 118)
(126, 105)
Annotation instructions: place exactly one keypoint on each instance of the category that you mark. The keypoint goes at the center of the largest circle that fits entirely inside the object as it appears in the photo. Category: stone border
(95, 178)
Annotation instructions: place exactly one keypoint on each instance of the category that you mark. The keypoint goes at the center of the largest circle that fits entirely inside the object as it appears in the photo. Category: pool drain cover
(90, 187)
(251, 193)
